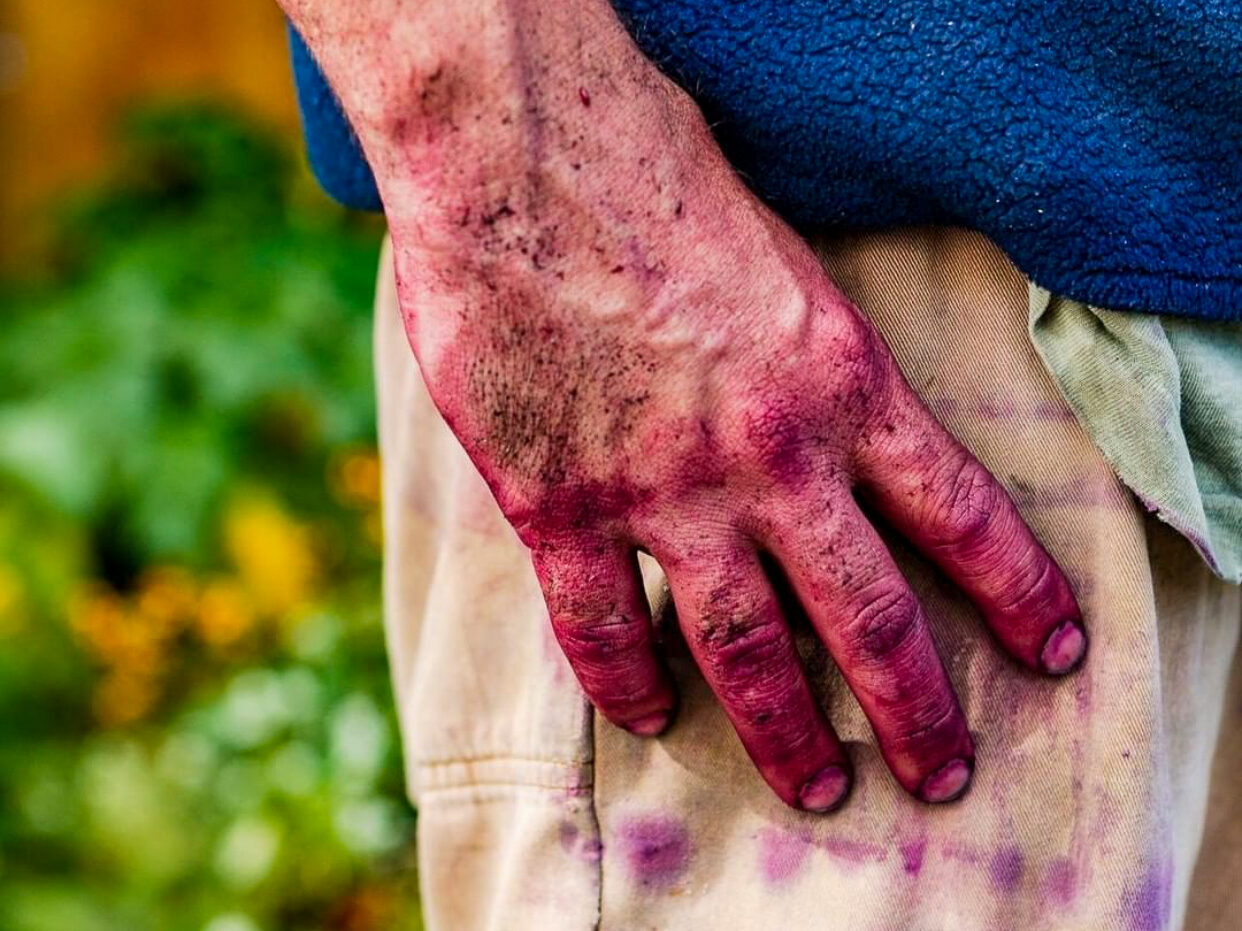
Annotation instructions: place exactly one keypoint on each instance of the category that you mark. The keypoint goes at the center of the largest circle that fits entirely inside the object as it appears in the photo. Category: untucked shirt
(1161, 398)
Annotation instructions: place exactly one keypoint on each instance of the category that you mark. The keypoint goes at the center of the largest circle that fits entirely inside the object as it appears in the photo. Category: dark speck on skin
(584, 96)
(656, 849)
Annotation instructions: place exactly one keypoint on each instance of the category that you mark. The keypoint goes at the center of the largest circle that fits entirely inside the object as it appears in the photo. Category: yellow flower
(166, 599)
(122, 697)
(355, 478)
(115, 633)
(225, 613)
(272, 553)
(95, 616)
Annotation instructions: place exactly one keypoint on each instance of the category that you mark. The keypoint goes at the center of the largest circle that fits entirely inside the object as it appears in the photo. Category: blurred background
(196, 728)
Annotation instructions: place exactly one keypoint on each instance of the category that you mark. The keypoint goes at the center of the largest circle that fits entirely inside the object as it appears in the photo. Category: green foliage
(196, 728)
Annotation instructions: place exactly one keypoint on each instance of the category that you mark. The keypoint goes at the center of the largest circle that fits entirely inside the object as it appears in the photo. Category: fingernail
(1064, 649)
(825, 790)
(650, 725)
(947, 783)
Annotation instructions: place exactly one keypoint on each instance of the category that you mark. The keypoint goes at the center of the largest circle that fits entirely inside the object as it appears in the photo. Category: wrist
(453, 96)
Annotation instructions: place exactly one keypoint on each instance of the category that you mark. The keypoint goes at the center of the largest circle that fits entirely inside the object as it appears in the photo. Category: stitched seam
(506, 784)
(599, 837)
(440, 762)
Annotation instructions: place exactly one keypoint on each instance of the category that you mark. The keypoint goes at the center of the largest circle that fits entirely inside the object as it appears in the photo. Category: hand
(638, 355)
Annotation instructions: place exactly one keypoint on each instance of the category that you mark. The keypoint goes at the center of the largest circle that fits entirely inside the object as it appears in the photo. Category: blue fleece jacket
(1098, 143)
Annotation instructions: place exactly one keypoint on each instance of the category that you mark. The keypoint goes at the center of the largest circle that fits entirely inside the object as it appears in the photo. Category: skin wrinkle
(637, 354)
(883, 624)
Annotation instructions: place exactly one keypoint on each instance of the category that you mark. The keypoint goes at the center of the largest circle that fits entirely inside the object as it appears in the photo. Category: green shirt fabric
(1161, 397)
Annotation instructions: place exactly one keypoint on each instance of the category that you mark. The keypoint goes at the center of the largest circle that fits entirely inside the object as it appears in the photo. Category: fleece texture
(1099, 144)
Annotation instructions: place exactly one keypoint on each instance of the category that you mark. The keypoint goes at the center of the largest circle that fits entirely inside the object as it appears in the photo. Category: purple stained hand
(639, 356)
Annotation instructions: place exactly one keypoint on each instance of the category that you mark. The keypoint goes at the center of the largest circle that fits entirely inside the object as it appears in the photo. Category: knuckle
(970, 505)
(855, 344)
(744, 650)
(601, 641)
(742, 646)
(928, 724)
(888, 616)
(864, 363)
(1034, 587)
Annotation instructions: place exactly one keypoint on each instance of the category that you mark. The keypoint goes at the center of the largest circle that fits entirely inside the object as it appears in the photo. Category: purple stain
(780, 439)
(852, 851)
(1062, 881)
(1006, 869)
(1052, 410)
(998, 408)
(781, 855)
(578, 844)
(912, 854)
(963, 853)
(1149, 904)
(657, 849)
(1101, 492)
(590, 850)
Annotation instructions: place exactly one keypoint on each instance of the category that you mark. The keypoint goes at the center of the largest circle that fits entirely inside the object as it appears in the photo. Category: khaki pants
(1088, 807)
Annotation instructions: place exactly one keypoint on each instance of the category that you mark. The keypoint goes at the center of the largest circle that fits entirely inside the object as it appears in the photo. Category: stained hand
(638, 355)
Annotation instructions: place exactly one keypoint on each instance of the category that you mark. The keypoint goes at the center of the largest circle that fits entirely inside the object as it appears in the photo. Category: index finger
(931, 489)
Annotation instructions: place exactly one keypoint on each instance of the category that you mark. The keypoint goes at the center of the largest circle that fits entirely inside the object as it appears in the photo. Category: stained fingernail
(1064, 649)
(825, 790)
(947, 783)
(651, 724)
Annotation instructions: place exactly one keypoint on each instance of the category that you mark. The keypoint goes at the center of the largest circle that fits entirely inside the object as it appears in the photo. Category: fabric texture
(1088, 808)
(1162, 399)
(1098, 144)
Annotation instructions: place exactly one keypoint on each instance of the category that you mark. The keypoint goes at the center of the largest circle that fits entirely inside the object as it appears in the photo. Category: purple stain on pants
(657, 849)
(1150, 903)
(1062, 881)
(781, 855)
(578, 844)
(851, 851)
(912, 855)
(1006, 869)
